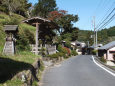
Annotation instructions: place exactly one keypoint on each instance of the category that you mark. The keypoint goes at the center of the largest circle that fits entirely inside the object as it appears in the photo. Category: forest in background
(104, 36)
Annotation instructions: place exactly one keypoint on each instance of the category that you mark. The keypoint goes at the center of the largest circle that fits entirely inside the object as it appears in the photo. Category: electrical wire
(105, 15)
(106, 18)
(106, 23)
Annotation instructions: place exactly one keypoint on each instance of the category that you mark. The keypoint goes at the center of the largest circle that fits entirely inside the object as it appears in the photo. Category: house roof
(10, 27)
(40, 20)
(36, 19)
(108, 46)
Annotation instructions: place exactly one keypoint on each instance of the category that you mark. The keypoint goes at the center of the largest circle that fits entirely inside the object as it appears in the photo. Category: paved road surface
(77, 71)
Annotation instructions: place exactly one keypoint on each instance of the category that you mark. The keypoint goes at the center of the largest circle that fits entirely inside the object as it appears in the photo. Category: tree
(3, 7)
(65, 21)
(46, 34)
(88, 38)
(74, 34)
(43, 7)
(16, 6)
(111, 31)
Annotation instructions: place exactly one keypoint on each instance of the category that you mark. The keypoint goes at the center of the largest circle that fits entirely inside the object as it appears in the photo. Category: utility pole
(93, 24)
(96, 39)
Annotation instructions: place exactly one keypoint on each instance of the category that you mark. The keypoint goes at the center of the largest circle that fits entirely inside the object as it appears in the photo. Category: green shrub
(94, 52)
(24, 38)
(53, 56)
(42, 51)
(30, 36)
(68, 44)
(73, 52)
(62, 49)
(60, 54)
(22, 43)
(59, 48)
(103, 60)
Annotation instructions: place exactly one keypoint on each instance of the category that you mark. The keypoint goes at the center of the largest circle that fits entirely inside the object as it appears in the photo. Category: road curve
(77, 71)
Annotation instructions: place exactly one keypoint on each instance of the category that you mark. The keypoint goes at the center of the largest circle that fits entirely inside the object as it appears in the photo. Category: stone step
(8, 42)
(8, 51)
(8, 45)
(8, 48)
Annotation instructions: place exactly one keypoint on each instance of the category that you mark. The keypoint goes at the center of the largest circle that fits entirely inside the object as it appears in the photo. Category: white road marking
(113, 74)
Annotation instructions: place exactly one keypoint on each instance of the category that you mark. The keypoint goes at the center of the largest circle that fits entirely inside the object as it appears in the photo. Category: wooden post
(37, 29)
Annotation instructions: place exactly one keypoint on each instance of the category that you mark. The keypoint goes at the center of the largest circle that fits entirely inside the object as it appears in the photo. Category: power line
(106, 23)
(105, 18)
(97, 7)
(102, 4)
(105, 15)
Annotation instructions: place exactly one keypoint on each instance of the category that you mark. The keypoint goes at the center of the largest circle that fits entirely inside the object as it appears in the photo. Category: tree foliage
(46, 34)
(43, 7)
(111, 31)
(24, 38)
(104, 36)
(64, 20)
(15, 6)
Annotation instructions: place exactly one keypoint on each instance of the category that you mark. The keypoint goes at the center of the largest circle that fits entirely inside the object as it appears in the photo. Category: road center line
(113, 74)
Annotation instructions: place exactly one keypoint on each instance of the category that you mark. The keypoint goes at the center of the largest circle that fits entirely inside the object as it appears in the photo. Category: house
(74, 45)
(108, 51)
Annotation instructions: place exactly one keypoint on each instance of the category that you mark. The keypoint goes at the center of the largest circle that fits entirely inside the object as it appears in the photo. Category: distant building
(108, 51)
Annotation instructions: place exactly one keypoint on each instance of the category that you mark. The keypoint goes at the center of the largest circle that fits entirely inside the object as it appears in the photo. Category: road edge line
(113, 74)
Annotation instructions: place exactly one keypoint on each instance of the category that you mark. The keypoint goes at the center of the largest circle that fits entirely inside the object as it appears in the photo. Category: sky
(86, 10)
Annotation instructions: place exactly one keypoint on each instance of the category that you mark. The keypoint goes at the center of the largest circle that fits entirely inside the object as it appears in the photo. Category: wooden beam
(37, 29)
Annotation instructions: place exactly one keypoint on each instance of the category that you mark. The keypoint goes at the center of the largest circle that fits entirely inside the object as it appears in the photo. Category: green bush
(42, 51)
(68, 44)
(59, 48)
(29, 35)
(60, 54)
(62, 50)
(73, 52)
(22, 43)
(103, 60)
(94, 52)
(24, 38)
(53, 56)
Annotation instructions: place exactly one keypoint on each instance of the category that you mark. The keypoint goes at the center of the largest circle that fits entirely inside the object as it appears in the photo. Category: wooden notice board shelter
(11, 31)
(37, 22)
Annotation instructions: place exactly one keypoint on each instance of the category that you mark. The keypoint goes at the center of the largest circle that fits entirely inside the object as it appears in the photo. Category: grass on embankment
(11, 65)
(25, 56)
(14, 64)
(14, 19)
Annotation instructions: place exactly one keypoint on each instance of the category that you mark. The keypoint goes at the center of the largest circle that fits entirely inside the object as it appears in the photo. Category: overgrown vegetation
(103, 60)
(94, 52)
(15, 6)
(13, 65)
(74, 53)
(63, 52)
(24, 37)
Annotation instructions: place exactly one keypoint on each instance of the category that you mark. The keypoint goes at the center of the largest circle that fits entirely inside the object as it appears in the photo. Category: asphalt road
(77, 71)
